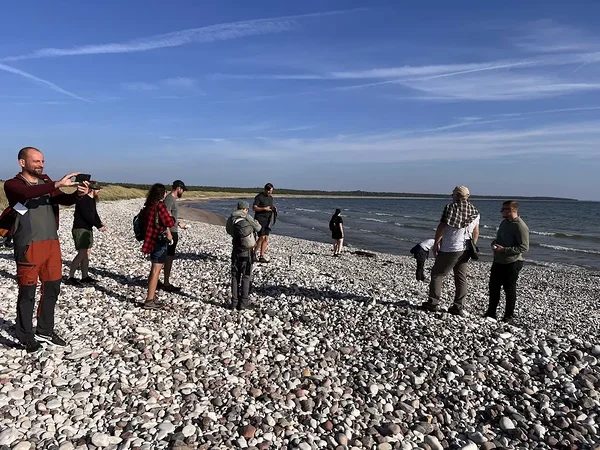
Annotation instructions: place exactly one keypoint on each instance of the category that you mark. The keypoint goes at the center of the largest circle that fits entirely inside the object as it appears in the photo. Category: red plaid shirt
(153, 230)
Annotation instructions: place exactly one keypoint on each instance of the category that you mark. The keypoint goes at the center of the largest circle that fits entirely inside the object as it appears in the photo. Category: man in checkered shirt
(459, 223)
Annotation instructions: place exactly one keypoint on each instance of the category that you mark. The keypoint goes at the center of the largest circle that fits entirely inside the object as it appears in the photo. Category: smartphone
(83, 177)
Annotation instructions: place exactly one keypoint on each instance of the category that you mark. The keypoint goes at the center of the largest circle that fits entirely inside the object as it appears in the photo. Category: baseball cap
(179, 184)
(242, 204)
(462, 191)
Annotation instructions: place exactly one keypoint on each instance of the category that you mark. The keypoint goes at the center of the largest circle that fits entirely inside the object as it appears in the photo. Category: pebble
(100, 439)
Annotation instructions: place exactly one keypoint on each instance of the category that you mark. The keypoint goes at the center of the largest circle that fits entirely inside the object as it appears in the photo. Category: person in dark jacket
(36, 245)
(85, 219)
(336, 225)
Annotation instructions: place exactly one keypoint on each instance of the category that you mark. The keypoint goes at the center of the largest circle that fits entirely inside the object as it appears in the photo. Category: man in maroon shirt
(36, 245)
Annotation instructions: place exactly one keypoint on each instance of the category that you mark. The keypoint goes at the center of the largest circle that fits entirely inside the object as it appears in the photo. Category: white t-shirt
(454, 238)
(427, 245)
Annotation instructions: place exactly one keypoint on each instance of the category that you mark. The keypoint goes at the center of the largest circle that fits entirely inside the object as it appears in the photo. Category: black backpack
(139, 226)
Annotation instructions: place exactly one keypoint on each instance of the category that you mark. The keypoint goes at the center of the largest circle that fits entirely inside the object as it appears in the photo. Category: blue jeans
(159, 254)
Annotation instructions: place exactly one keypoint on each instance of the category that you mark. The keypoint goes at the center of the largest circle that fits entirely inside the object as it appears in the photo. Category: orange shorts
(42, 260)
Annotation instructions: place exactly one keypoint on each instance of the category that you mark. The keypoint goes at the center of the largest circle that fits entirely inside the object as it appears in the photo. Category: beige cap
(461, 191)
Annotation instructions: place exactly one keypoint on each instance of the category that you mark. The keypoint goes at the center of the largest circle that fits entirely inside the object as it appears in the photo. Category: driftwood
(363, 253)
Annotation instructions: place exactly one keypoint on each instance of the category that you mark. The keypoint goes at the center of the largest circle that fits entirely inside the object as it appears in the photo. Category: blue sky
(385, 96)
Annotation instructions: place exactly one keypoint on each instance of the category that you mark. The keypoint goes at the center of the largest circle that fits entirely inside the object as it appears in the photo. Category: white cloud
(548, 36)
(41, 81)
(441, 144)
(140, 86)
(211, 33)
(180, 82)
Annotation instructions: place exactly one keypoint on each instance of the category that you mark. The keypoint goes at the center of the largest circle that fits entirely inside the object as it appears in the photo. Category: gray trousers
(241, 278)
(446, 261)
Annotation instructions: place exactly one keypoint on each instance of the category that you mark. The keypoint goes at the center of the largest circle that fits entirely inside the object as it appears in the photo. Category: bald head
(31, 161)
(24, 151)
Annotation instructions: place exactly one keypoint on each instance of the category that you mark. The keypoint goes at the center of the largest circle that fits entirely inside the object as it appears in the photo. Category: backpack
(139, 226)
(243, 233)
(332, 224)
(8, 220)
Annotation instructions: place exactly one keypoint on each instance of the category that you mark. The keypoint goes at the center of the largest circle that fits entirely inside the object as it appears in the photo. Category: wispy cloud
(577, 140)
(216, 140)
(176, 83)
(41, 81)
(211, 33)
(548, 36)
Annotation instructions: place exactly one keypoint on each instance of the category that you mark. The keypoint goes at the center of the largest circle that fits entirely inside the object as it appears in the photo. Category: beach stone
(506, 424)
(433, 442)
(23, 445)
(66, 446)
(188, 430)
(248, 431)
(16, 394)
(596, 350)
(100, 440)
(384, 446)
(469, 446)
(8, 436)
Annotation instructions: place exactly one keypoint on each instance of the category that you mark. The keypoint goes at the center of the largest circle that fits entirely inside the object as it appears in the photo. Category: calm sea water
(562, 233)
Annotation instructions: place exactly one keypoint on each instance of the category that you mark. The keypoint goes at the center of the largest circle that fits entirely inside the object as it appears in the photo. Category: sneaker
(456, 310)
(89, 279)
(152, 305)
(428, 306)
(508, 320)
(73, 282)
(263, 260)
(52, 338)
(490, 315)
(32, 346)
(170, 288)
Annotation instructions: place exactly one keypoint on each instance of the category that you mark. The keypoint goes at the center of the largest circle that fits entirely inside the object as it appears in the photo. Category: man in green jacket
(242, 228)
(512, 240)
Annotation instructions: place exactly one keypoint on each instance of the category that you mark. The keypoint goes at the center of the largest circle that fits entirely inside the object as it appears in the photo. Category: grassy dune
(114, 192)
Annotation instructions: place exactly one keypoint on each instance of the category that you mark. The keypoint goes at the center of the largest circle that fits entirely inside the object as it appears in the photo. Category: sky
(339, 95)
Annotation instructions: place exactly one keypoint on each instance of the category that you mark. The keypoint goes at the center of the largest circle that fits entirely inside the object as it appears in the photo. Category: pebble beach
(335, 354)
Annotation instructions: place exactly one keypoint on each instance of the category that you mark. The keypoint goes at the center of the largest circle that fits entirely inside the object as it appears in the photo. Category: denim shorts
(159, 254)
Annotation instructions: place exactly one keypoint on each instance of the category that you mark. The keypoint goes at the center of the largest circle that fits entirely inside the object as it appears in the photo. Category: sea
(562, 233)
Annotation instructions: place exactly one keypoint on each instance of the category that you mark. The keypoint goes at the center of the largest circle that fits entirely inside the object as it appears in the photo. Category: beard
(34, 171)
(180, 194)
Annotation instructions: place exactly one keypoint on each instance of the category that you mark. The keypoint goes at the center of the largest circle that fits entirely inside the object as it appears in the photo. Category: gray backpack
(243, 233)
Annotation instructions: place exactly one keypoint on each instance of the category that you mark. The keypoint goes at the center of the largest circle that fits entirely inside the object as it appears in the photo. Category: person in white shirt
(421, 252)
(459, 223)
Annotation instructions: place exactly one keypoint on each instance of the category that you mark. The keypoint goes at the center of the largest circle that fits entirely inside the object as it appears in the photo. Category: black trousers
(241, 278)
(504, 276)
(421, 257)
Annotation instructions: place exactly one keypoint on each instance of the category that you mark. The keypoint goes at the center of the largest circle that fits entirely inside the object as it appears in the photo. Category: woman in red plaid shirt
(157, 221)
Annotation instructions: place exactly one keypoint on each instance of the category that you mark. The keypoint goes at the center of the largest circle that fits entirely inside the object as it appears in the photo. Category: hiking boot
(170, 288)
(89, 280)
(32, 346)
(73, 282)
(456, 310)
(52, 338)
(510, 320)
(490, 315)
(428, 306)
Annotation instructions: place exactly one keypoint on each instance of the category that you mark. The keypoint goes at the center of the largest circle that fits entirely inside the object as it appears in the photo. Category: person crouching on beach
(266, 215)
(459, 222)
(242, 227)
(512, 240)
(421, 252)
(336, 225)
(84, 220)
(157, 221)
